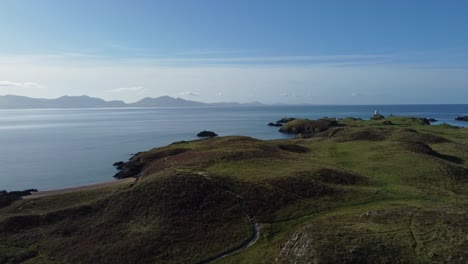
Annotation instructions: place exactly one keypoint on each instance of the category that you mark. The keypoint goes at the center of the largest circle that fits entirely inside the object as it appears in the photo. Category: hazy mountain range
(23, 102)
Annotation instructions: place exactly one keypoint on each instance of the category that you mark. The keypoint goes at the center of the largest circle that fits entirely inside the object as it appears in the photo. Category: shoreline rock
(206, 133)
(462, 118)
(424, 121)
(281, 122)
(7, 198)
(119, 165)
(136, 164)
(275, 124)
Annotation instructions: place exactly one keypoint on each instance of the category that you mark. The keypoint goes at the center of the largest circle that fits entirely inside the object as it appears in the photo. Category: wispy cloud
(20, 84)
(320, 79)
(189, 93)
(429, 58)
(136, 89)
(201, 59)
(211, 52)
(280, 60)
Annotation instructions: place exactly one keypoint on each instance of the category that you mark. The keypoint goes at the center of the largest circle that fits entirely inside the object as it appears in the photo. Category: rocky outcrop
(6, 198)
(206, 133)
(462, 118)
(281, 122)
(424, 121)
(306, 126)
(136, 164)
(275, 124)
(129, 169)
(119, 165)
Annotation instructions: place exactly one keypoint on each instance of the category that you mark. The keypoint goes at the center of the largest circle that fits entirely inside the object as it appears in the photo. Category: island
(389, 190)
(206, 133)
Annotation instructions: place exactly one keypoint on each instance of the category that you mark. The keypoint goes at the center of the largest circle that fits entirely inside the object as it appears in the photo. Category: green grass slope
(358, 192)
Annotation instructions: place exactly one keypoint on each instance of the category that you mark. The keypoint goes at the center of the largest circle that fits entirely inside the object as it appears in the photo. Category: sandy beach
(78, 188)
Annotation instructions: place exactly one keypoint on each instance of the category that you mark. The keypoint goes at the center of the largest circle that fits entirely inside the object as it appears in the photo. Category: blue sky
(319, 52)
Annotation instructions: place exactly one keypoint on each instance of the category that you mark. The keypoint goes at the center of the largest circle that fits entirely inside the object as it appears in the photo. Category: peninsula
(346, 190)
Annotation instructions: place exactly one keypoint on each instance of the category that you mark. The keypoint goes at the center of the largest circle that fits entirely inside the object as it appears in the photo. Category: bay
(58, 148)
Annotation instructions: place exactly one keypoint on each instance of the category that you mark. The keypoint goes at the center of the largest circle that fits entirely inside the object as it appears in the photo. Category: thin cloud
(326, 83)
(189, 93)
(429, 59)
(20, 84)
(215, 59)
(9, 84)
(137, 89)
(211, 52)
(306, 59)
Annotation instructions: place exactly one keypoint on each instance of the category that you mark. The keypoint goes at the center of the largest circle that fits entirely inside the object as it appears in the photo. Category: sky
(301, 52)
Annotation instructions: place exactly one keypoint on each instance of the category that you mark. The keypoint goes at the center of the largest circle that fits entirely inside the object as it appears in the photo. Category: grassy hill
(357, 192)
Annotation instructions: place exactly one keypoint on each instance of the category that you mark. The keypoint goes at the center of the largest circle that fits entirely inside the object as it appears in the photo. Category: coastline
(41, 194)
(189, 184)
(126, 131)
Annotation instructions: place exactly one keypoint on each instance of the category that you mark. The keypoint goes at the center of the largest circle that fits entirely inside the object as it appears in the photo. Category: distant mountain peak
(165, 101)
(85, 101)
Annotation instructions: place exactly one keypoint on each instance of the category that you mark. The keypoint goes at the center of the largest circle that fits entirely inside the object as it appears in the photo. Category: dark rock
(462, 118)
(119, 165)
(206, 133)
(275, 124)
(424, 121)
(6, 198)
(432, 120)
(136, 164)
(129, 169)
(281, 122)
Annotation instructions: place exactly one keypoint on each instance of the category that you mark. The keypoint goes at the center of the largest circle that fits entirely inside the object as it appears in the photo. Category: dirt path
(244, 246)
(256, 235)
(253, 222)
(79, 188)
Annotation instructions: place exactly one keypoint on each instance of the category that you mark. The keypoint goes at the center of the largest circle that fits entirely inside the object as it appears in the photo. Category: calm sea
(49, 149)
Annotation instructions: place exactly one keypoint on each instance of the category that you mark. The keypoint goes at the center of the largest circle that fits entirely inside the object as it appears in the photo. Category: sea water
(58, 148)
